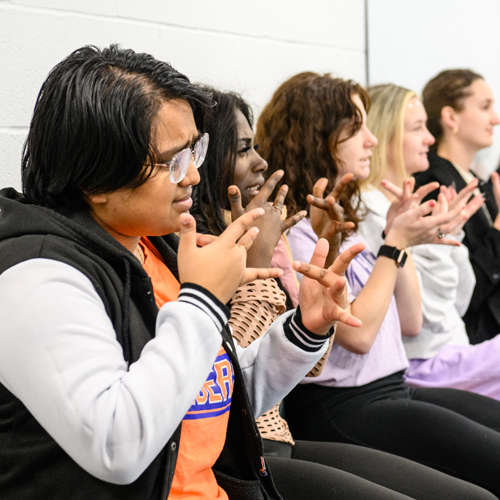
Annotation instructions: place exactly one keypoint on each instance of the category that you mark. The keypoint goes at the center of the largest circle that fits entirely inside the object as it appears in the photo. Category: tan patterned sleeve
(254, 307)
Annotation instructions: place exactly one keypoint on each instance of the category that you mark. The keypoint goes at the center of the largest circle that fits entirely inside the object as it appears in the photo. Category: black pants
(456, 432)
(323, 470)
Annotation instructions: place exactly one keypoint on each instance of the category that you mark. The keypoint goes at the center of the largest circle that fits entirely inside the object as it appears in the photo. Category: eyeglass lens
(181, 163)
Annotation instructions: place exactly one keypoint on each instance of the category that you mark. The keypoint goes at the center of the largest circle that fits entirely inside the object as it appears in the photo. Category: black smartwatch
(393, 253)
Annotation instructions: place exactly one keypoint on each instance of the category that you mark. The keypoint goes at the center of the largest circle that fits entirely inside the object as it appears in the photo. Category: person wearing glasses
(118, 375)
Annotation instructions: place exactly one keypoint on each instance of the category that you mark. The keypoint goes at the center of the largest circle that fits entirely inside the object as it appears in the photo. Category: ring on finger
(278, 208)
(441, 235)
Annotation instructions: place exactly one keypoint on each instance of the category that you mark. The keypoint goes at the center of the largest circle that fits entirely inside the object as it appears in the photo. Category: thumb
(187, 233)
(234, 196)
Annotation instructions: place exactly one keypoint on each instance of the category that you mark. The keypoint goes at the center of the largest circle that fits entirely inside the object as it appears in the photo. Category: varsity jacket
(482, 318)
(102, 419)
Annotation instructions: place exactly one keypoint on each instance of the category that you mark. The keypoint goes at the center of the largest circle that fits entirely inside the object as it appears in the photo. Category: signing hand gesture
(405, 199)
(412, 227)
(454, 199)
(327, 216)
(271, 224)
(323, 294)
(220, 264)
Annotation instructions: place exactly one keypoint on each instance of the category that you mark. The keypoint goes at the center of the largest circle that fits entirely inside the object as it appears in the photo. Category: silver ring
(278, 208)
(441, 235)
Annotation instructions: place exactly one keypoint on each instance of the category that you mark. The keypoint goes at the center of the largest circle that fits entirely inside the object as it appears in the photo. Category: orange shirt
(203, 430)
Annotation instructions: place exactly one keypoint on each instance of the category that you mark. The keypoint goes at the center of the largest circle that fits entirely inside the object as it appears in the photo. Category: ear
(97, 199)
(449, 117)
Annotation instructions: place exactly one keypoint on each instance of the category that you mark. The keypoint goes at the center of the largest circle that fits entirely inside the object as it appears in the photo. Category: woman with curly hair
(301, 469)
(316, 125)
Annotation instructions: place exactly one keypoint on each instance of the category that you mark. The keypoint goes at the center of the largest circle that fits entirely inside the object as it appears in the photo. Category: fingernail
(432, 203)
(384, 183)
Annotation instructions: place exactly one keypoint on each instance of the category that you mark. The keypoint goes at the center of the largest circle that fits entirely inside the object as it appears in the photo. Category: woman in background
(301, 469)
(440, 355)
(316, 126)
(459, 105)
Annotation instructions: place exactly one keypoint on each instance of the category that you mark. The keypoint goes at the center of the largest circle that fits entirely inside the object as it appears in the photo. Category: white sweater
(446, 283)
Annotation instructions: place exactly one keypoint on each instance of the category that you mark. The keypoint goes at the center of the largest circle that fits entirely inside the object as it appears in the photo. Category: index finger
(342, 262)
(319, 187)
(321, 203)
(424, 190)
(269, 185)
(241, 225)
(327, 277)
(339, 188)
(393, 189)
(466, 192)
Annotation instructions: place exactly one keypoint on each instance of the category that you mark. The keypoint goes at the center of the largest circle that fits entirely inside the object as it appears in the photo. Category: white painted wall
(410, 41)
(249, 47)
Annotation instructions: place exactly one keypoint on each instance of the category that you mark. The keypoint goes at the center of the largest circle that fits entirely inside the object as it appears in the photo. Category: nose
(429, 139)
(494, 119)
(371, 141)
(260, 165)
(192, 175)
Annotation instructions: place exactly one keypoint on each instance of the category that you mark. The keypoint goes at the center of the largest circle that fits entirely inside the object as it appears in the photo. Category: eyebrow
(171, 152)
(246, 140)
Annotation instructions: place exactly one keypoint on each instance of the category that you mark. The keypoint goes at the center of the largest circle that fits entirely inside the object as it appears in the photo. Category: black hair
(217, 173)
(92, 124)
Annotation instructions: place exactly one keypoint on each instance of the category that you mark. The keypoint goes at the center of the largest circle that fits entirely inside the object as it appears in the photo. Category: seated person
(118, 375)
(361, 396)
(301, 469)
(440, 355)
(461, 117)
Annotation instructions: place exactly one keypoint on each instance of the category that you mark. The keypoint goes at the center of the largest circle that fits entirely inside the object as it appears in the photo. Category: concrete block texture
(250, 48)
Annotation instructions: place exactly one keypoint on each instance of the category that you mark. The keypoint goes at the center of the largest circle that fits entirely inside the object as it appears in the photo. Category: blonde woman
(440, 355)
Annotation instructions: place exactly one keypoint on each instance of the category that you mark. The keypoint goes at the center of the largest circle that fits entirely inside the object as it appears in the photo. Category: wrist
(393, 239)
(399, 255)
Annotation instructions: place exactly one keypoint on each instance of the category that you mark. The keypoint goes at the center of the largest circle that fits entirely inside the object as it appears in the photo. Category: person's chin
(362, 173)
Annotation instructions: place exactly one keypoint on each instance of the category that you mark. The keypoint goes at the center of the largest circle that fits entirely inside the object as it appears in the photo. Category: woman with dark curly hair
(361, 396)
(459, 106)
(301, 469)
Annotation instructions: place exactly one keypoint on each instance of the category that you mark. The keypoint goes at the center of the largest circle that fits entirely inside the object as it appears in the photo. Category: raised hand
(404, 198)
(412, 228)
(454, 199)
(323, 296)
(220, 265)
(327, 216)
(271, 224)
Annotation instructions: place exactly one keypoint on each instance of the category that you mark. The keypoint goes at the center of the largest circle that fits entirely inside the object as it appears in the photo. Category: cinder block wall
(249, 47)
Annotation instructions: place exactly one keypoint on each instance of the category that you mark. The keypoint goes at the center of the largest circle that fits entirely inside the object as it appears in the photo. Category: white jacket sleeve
(59, 355)
(275, 363)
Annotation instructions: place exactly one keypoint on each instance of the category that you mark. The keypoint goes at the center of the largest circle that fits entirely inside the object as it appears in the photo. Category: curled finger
(240, 226)
(291, 221)
(254, 273)
(345, 258)
(205, 239)
(339, 188)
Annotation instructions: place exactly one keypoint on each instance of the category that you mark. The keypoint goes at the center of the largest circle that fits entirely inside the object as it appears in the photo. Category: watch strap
(393, 253)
